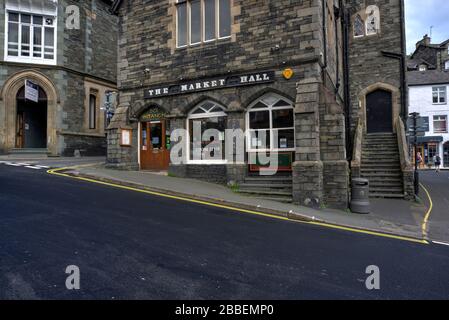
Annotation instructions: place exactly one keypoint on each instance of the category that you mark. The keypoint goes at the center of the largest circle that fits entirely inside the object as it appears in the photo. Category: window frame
(271, 129)
(205, 115)
(93, 121)
(436, 89)
(440, 119)
(188, 31)
(30, 59)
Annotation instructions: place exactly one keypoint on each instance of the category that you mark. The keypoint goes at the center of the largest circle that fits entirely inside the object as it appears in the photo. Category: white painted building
(428, 95)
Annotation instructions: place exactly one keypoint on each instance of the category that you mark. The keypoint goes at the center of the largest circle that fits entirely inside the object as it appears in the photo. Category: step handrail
(406, 164)
(356, 162)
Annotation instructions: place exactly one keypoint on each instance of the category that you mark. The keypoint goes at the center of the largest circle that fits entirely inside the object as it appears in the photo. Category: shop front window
(206, 126)
(271, 125)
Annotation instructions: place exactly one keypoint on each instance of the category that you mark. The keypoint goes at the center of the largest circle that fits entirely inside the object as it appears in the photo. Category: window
(422, 67)
(372, 20)
(204, 145)
(440, 124)
(202, 21)
(439, 95)
(359, 27)
(446, 65)
(30, 38)
(92, 111)
(271, 125)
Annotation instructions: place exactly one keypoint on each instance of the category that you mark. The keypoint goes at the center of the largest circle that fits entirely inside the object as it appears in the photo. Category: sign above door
(210, 84)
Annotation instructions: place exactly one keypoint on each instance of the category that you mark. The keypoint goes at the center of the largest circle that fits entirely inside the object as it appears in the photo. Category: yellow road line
(429, 212)
(211, 204)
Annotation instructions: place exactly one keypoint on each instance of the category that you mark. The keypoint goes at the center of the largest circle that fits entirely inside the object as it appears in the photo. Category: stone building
(57, 65)
(378, 96)
(277, 70)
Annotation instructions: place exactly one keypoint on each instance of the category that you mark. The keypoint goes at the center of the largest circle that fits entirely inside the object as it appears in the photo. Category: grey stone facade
(86, 61)
(267, 35)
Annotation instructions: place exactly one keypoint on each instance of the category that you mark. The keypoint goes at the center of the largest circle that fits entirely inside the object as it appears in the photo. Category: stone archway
(395, 101)
(8, 104)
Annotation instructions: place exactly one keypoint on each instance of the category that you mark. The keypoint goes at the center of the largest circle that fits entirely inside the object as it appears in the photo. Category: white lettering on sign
(31, 91)
(210, 84)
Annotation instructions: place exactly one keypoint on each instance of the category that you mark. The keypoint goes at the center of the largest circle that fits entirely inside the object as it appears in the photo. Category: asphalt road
(130, 245)
(437, 183)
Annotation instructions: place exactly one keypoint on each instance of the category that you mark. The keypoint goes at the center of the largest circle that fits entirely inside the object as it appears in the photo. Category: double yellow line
(58, 172)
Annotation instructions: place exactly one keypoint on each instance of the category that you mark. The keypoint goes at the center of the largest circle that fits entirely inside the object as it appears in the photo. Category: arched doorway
(31, 121)
(9, 94)
(379, 111)
(154, 140)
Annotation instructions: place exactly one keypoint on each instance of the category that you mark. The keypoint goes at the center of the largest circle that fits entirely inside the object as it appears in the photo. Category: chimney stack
(426, 40)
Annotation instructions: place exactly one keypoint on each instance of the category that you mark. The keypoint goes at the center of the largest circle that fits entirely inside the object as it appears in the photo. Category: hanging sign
(31, 91)
(210, 84)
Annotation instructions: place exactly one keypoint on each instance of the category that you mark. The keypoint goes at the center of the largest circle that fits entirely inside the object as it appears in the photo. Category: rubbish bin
(360, 196)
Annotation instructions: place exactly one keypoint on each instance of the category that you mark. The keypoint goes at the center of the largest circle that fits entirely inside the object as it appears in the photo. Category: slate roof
(416, 78)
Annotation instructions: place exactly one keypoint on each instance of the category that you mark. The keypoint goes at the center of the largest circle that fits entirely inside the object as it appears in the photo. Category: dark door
(379, 113)
(154, 153)
(446, 155)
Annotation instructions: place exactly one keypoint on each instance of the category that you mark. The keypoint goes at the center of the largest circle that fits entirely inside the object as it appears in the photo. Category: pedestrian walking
(437, 163)
(419, 159)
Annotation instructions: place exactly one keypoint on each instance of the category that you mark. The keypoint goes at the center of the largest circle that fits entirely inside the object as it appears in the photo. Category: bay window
(201, 21)
(271, 125)
(30, 34)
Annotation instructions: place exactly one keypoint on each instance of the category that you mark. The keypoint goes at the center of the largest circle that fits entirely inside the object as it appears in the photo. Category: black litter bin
(360, 196)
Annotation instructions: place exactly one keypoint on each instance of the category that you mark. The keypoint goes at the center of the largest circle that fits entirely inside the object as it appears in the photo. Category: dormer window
(31, 32)
(422, 68)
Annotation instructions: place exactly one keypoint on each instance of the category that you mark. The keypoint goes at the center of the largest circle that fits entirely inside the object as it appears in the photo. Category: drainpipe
(324, 34)
(347, 93)
(402, 59)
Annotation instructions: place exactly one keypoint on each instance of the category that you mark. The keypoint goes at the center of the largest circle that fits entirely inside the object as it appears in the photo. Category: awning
(430, 139)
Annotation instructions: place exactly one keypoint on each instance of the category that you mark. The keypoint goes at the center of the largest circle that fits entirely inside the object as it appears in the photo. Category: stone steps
(275, 188)
(381, 166)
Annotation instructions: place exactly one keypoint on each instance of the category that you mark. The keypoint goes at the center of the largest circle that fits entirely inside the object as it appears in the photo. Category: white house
(428, 95)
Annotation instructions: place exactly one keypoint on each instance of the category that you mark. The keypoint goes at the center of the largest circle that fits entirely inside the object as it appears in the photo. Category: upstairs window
(201, 21)
(446, 65)
(440, 124)
(439, 95)
(30, 38)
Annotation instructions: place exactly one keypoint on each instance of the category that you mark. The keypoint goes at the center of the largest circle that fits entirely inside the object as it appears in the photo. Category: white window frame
(269, 108)
(30, 58)
(441, 117)
(439, 90)
(203, 24)
(446, 65)
(200, 116)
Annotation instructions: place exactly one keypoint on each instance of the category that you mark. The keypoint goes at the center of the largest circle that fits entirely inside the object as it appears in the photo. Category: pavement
(135, 245)
(398, 217)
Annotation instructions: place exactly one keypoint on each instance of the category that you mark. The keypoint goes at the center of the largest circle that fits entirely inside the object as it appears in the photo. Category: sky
(421, 15)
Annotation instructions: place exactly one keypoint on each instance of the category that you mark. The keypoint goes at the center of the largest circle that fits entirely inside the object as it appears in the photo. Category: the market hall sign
(210, 84)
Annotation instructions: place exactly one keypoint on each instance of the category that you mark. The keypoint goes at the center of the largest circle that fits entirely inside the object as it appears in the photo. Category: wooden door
(379, 112)
(154, 153)
(20, 130)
